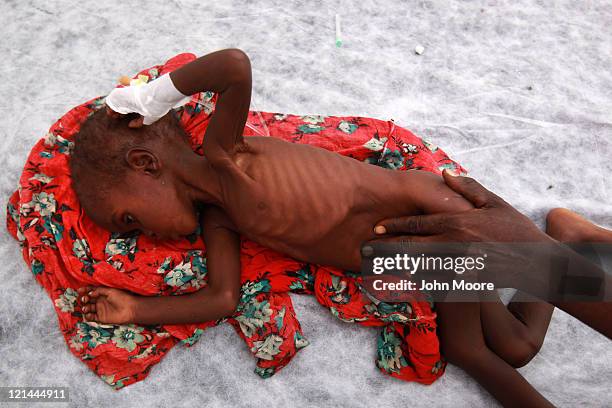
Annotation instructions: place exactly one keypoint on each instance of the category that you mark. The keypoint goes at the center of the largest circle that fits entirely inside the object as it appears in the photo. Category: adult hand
(494, 220)
(491, 220)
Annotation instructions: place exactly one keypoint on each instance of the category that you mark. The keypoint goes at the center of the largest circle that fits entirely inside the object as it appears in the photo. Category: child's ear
(144, 160)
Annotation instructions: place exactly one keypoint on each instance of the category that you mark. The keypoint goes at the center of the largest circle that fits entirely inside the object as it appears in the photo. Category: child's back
(316, 205)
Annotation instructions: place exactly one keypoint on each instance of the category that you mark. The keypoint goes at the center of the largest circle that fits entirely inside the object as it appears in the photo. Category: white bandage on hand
(151, 100)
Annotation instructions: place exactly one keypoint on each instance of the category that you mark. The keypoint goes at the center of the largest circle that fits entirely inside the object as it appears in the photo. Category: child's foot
(567, 226)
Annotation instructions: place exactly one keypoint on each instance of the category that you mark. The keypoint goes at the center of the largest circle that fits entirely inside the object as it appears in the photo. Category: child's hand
(151, 100)
(107, 305)
(134, 123)
(122, 101)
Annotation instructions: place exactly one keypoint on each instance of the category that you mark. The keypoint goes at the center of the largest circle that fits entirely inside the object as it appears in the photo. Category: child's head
(123, 177)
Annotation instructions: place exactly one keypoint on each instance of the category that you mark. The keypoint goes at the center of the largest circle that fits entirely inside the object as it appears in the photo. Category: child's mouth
(160, 237)
(163, 237)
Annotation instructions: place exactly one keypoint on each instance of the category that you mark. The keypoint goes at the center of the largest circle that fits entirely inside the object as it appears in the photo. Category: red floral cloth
(65, 251)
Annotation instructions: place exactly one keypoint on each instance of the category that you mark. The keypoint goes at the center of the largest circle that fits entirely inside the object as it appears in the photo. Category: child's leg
(515, 333)
(485, 339)
(463, 344)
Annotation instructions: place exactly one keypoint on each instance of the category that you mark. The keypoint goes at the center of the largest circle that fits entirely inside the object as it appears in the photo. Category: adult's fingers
(406, 239)
(413, 225)
(470, 189)
(400, 242)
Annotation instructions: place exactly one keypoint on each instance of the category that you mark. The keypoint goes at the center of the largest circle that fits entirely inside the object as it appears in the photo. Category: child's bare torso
(319, 206)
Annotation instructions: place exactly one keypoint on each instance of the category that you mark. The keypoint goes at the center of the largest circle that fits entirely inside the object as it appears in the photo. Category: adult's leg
(517, 332)
(567, 226)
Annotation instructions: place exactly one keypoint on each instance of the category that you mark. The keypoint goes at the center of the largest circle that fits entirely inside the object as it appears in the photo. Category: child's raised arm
(227, 72)
(217, 300)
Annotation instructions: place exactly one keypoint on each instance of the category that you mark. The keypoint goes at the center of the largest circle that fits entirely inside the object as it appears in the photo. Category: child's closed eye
(129, 219)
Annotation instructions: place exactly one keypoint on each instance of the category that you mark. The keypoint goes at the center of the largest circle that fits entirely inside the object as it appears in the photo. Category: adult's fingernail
(380, 229)
(367, 251)
(452, 173)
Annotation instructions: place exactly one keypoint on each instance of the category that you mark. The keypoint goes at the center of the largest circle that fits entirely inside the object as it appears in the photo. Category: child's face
(150, 205)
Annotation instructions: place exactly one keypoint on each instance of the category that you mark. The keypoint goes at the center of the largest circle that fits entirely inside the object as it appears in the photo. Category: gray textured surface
(469, 92)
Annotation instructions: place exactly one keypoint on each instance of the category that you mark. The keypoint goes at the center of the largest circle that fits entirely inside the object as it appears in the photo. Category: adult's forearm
(558, 273)
(574, 284)
(597, 315)
(546, 269)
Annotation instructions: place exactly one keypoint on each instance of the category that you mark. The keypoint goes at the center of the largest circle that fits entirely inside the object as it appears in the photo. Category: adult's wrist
(540, 277)
(557, 273)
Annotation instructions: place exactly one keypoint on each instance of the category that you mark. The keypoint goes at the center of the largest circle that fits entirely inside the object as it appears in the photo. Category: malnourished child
(309, 203)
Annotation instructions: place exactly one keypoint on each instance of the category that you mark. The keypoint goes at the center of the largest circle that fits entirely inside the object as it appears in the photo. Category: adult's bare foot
(567, 226)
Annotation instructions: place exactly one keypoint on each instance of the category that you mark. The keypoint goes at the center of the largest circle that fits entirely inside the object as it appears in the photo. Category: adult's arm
(493, 220)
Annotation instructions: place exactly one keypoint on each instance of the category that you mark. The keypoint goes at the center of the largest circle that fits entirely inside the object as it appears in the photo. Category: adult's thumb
(469, 188)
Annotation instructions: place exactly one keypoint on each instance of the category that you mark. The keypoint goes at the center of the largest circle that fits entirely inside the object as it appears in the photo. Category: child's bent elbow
(240, 63)
(229, 302)
(238, 55)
